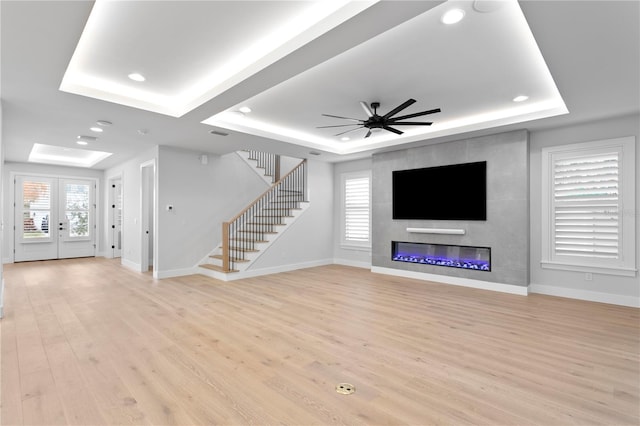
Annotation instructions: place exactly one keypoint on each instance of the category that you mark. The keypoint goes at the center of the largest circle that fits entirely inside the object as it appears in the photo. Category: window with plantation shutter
(357, 209)
(588, 194)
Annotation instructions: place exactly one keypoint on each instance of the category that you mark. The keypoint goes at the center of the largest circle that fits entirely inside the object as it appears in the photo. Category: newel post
(225, 247)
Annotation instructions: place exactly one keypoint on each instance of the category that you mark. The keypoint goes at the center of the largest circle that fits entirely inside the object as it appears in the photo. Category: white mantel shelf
(436, 231)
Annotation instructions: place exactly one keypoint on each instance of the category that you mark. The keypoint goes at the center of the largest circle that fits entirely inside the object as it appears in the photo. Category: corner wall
(202, 196)
(1, 216)
(506, 229)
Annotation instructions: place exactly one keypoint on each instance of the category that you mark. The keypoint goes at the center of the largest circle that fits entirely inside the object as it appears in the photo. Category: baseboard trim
(356, 264)
(277, 269)
(175, 273)
(588, 295)
(463, 282)
(6, 260)
(131, 265)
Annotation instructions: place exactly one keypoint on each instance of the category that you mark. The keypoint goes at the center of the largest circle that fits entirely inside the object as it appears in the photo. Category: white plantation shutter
(588, 189)
(586, 206)
(36, 209)
(357, 209)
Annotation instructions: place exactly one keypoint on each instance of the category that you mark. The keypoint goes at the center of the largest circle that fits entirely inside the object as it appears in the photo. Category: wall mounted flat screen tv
(452, 192)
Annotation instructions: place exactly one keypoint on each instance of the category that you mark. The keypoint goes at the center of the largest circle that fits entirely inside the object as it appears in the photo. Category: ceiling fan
(375, 121)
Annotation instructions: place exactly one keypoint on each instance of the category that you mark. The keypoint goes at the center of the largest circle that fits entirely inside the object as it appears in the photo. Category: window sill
(620, 271)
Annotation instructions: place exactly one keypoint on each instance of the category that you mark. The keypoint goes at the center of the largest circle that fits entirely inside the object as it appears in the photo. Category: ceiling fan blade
(350, 130)
(399, 108)
(412, 123)
(391, 129)
(417, 114)
(368, 134)
(346, 118)
(366, 109)
(338, 125)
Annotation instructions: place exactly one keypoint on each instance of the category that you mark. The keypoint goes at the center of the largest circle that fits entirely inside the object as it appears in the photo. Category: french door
(54, 218)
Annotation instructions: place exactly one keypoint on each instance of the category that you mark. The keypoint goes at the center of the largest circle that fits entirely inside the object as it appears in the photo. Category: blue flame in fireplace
(415, 253)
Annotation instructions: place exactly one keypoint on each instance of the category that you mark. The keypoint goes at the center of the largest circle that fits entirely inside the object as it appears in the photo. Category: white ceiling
(64, 67)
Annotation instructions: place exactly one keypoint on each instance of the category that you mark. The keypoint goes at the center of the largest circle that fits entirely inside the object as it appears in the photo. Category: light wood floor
(89, 342)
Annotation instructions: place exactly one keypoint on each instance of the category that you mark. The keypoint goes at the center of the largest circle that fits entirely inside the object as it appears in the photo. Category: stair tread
(219, 256)
(216, 268)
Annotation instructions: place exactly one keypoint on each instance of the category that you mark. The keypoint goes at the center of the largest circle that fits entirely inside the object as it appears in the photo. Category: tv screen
(452, 192)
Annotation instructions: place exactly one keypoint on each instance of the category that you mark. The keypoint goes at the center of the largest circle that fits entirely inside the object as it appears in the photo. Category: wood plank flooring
(88, 342)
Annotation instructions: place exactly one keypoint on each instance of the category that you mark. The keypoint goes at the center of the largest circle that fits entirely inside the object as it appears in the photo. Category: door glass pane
(36, 202)
(78, 224)
(77, 209)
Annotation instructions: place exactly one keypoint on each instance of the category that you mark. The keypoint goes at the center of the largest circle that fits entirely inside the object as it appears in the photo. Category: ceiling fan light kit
(376, 122)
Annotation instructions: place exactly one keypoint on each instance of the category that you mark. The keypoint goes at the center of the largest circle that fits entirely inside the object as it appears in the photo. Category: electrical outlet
(588, 276)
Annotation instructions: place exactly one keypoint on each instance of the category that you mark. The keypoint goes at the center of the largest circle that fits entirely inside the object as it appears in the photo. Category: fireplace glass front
(453, 256)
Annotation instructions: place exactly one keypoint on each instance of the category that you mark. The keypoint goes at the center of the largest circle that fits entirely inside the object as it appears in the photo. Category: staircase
(250, 233)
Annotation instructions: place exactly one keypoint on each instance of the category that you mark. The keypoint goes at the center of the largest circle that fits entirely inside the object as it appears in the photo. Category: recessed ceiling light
(452, 16)
(520, 98)
(245, 109)
(136, 77)
(86, 139)
(103, 123)
(345, 138)
(82, 143)
(96, 129)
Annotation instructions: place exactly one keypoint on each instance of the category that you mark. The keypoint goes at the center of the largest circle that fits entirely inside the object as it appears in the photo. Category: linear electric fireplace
(465, 257)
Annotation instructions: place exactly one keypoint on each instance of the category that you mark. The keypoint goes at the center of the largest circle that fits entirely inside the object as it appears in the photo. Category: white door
(54, 218)
(147, 199)
(115, 217)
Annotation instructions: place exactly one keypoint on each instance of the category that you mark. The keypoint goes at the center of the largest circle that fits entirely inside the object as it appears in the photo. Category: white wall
(202, 196)
(309, 240)
(129, 172)
(603, 288)
(8, 172)
(2, 202)
(346, 255)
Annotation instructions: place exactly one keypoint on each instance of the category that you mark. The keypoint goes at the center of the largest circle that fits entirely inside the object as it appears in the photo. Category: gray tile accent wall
(506, 229)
